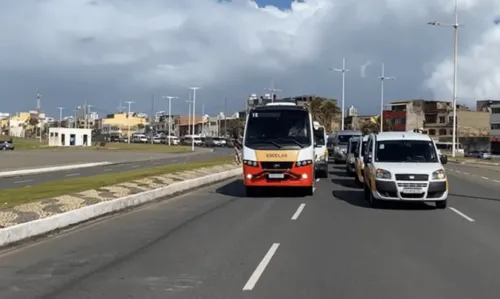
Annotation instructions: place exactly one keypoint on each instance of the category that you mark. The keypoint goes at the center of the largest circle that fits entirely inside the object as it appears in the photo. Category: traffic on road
(218, 243)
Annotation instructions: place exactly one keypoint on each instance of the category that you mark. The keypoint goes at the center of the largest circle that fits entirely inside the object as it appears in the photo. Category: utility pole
(273, 91)
(194, 114)
(169, 98)
(151, 118)
(343, 70)
(76, 116)
(60, 116)
(455, 27)
(128, 115)
(225, 119)
(382, 78)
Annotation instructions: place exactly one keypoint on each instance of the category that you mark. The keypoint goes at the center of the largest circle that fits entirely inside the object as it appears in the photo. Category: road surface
(214, 243)
(14, 160)
(35, 179)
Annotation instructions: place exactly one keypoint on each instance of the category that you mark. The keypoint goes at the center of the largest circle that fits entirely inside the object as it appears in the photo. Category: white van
(404, 166)
(320, 150)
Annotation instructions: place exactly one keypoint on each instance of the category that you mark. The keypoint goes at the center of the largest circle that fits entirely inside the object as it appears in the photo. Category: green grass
(15, 196)
(35, 144)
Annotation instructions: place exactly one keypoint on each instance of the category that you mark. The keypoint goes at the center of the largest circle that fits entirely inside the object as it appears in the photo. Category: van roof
(402, 136)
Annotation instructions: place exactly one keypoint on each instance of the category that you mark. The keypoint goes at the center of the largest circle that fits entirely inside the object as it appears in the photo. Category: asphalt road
(14, 160)
(34, 179)
(214, 243)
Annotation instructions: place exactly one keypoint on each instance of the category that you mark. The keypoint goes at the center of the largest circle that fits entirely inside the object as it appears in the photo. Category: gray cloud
(107, 51)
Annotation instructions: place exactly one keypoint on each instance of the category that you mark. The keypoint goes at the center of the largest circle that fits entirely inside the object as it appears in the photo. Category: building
(436, 117)
(126, 123)
(485, 105)
(70, 137)
(495, 128)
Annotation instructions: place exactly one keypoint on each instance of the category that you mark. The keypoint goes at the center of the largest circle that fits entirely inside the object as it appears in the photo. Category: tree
(373, 125)
(324, 111)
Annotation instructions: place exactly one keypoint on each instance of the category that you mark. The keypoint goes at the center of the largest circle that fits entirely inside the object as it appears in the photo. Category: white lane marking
(457, 171)
(134, 166)
(108, 169)
(466, 173)
(20, 182)
(462, 214)
(72, 174)
(496, 181)
(483, 177)
(252, 281)
(299, 210)
(317, 180)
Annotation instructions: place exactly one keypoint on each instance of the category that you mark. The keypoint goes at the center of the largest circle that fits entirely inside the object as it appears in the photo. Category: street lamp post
(343, 70)
(382, 78)
(60, 115)
(128, 115)
(169, 116)
(273, 91)
(194, 111)
(455, 72)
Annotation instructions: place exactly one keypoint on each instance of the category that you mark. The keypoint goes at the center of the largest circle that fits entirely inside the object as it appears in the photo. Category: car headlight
(336, 148)
(383, 174)
(304, 163)
(439, 174)
(250, 163)
(351, 159)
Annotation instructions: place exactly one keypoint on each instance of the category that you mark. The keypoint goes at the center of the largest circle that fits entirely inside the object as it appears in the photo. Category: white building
(70, 137)
(495, 120)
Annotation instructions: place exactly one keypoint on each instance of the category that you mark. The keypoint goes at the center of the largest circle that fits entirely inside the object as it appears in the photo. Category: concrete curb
(39, 227)
(14, 173)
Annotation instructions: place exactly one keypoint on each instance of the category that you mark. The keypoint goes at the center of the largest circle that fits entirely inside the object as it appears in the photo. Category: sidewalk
(52, 206)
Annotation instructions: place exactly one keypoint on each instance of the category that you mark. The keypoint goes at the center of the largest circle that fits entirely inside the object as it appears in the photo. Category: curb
(13, 173)
(20, 232)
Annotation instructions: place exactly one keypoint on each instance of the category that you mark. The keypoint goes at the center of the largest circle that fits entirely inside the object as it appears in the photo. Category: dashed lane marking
(299, 210)
(252, 281)
(462, 214)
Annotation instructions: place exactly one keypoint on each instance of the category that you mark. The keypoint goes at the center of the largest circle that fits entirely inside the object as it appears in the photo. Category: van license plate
(413, 190)
(276, 176)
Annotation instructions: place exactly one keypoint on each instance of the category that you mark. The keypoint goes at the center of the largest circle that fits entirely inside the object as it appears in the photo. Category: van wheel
(356, 180)
(324, 174)
(442, 204)
(375, 203)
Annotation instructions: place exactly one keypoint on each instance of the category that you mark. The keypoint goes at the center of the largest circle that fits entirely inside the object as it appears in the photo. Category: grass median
(16, 196)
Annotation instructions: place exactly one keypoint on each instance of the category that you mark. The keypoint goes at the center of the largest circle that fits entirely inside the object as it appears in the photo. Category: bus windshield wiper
(292, 140)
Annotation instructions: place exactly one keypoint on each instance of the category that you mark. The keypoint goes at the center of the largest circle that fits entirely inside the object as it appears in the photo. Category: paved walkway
(51, 206)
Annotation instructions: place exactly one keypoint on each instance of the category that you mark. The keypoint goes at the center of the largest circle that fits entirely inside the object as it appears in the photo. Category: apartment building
(436, 117)
(495, 128)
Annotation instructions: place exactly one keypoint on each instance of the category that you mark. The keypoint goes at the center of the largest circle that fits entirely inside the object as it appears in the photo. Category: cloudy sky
(104, 51)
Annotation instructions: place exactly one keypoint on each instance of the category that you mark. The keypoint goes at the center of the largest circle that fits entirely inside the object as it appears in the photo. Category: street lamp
(382, 78)
(194, 89)
(343, 70)
(455, 71)
(60, 115)
(169, 115)
(273, 91)
(128, 115)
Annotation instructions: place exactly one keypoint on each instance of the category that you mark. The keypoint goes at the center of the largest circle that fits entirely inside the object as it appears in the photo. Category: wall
(473, 123)
(56, 134)
(495, 119)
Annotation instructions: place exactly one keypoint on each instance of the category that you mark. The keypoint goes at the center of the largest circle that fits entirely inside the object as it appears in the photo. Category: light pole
(194, 111)
(273, 91)
(169, 116)
(382, 78)
(343, 70)
(455, 72)
(60, 115)
(128, 115)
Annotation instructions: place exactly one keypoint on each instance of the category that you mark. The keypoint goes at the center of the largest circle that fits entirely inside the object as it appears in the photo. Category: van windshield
(344, 139)
(319, 136)
(410, 151)
(278, 129)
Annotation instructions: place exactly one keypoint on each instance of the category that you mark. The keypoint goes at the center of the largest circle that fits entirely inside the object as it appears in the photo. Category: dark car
(6, 145)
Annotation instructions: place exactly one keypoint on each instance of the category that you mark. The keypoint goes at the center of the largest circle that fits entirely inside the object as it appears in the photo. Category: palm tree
(324, 111)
